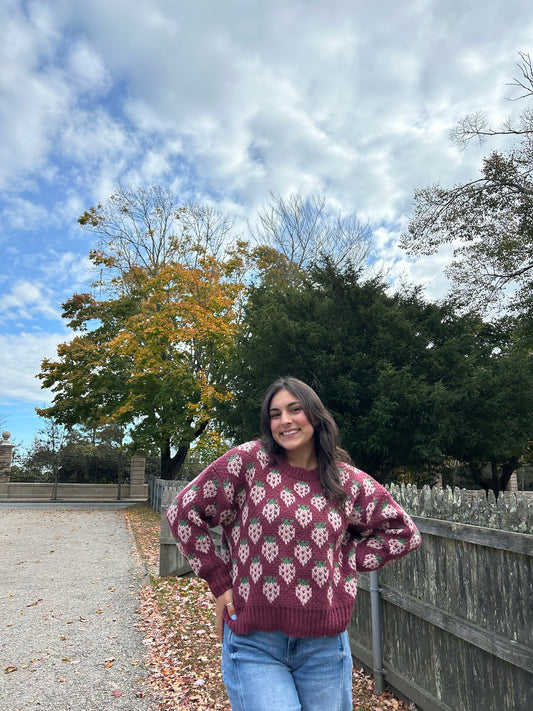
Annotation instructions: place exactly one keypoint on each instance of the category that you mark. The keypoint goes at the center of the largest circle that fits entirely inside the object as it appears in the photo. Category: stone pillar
(6, 452)
(513, 483)
(138, 489)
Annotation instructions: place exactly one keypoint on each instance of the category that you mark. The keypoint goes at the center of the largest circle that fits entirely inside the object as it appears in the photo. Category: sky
(226, 102)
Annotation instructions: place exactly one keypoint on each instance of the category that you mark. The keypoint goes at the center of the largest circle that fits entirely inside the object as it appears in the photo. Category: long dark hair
(326, 434)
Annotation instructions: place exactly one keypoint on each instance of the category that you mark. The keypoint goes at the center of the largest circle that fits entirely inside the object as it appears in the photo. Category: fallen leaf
(10, 669)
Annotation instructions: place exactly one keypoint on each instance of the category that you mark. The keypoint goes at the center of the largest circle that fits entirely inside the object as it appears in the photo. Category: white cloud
(226, 101)
(20, 360)
(26, 301)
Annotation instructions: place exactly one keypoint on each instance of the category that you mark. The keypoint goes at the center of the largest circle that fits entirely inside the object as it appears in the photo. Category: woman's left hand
(224, 601)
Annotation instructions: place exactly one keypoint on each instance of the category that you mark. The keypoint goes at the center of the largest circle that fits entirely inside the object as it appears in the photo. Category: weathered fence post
(6, 453)
(171, 561)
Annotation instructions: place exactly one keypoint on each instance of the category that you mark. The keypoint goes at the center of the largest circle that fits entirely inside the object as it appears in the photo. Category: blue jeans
(269, 671)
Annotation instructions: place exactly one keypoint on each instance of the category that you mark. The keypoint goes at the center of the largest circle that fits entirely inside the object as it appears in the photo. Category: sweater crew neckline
(296, 473)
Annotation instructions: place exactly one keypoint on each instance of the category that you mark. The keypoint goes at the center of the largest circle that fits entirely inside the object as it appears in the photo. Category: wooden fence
(457, 614)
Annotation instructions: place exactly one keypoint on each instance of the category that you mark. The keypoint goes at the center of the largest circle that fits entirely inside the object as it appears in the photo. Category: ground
(178, 620)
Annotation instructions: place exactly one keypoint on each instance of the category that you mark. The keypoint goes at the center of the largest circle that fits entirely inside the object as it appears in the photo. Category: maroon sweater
(290, 555)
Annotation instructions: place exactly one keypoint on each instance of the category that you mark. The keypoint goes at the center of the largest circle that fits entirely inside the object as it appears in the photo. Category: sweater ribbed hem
(291, 621)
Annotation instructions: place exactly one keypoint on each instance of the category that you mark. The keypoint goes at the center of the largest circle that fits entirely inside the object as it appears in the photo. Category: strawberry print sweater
(290, 556)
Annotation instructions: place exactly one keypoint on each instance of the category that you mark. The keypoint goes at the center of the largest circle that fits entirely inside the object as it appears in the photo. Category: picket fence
(456, 616)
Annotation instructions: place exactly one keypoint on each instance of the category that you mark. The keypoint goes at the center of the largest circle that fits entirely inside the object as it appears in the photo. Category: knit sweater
(290, 555)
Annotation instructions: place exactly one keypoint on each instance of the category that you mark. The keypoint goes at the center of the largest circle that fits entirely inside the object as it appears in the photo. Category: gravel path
(69, 583)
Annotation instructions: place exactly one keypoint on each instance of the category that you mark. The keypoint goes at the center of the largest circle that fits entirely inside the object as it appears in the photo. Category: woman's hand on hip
(224, 601)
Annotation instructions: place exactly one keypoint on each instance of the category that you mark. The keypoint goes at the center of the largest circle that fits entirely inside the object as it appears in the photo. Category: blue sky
(225, 102)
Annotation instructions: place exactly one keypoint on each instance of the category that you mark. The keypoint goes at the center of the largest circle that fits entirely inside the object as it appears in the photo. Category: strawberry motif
(335, 519)
(330, 593)
(352, 559)
(244, 550)
(244, 588)
(227, 517)
(336, 573)
(371, 561)
(255, 529)
(246, 446)
(270, 588)
(229, 489)
(396, 546)
(304, 515)
(319, 534)
(388, 511)
(234, 571)
(318, 501)
(368, 486)
(211, 510)
(355, 488)
(194, 517)
(302, 551)
(241, 497)
(286, 530)
(350, 585)
(184, 531)
(234, 464)
(269, 548)
(196, 564)
(256, 568)
(274, 478)
(415, 541)
(257, 493)
(357, 514)
(320, 572)
(370, 508)
(210, 489)
(271, 509)
(190, 495)
(343, 475)
(236, 532)
(348, 507)
(287, 496)
(250, 474)
(263, 458)
(376, 542)
(301, 488)
(203, 543)
(303, 591)
(286, 569)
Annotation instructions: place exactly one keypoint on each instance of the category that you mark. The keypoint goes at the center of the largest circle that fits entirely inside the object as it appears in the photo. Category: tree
(400, 375)
(488, 220)
(294, 233)
(152, 356)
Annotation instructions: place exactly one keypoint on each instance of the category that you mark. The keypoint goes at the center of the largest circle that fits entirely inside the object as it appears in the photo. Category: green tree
(488, 220)
(152, 356)
(394, 370)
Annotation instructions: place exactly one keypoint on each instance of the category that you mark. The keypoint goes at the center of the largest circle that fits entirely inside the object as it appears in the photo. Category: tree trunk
(171, 465)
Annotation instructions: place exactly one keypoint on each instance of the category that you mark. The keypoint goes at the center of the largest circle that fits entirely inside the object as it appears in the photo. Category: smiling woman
(298, 521)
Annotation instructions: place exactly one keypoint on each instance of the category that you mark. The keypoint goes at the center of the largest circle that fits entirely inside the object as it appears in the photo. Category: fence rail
(456, 615)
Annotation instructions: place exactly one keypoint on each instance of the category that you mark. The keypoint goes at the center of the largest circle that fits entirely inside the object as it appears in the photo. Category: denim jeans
(269, 671)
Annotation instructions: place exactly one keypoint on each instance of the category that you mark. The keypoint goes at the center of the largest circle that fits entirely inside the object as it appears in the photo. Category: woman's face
(291, 429)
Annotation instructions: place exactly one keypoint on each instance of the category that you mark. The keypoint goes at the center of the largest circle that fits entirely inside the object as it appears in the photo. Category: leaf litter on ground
(177, 617)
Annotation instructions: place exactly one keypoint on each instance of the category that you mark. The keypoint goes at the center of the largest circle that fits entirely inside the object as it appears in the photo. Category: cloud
(26, 300)
(20, 360)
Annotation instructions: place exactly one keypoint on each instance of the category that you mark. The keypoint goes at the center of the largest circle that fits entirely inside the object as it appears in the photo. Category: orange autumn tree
(153, 355)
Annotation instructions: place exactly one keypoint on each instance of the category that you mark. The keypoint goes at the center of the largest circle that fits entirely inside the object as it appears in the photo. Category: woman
(298, 522)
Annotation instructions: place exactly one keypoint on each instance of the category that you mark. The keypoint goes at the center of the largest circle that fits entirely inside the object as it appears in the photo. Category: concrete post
(6, 453)
(138, 489)
(513, 483)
